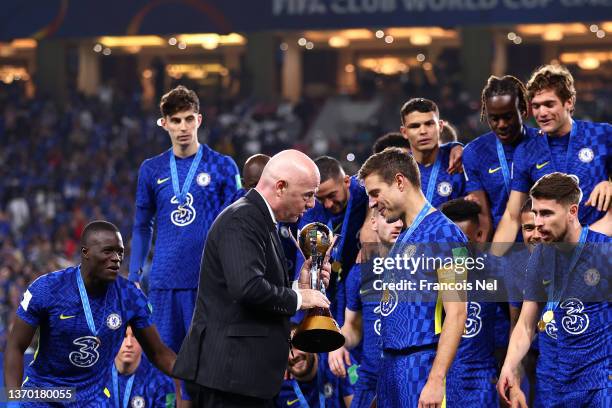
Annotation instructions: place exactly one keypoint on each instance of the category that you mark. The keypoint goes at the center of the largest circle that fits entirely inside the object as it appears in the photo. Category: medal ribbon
(337, 250)
(569, 149)
(417, 221)
(433, 176)
(128, 388)
(501, 155)
(181, 195)
(85, 301)
(298, 393)
(552, 304)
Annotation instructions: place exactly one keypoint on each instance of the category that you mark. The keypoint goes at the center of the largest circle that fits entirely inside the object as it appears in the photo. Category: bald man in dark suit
(236, 351)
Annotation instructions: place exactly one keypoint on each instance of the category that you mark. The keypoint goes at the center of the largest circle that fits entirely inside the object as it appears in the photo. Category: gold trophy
(318, 332)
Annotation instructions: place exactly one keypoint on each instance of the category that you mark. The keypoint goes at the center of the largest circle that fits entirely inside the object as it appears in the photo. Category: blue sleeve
(143, 223)
(231, 182)
(162, 389)
(471, 171)
(139, 314)
(535, 274)
(31, 308)
(353, 300)
(521, 181)
(450, 145)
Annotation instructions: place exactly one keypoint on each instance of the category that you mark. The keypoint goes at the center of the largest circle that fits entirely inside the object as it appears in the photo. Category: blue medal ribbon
(433, 176)
(417, 221)
(85, 301)
(300, 395)
(501, 155)
(337, 250)
(181, 194)
(552, 303)
(128, 388)
(569, 149)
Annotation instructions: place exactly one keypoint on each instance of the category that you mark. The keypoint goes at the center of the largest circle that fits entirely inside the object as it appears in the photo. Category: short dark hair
(391, 139)
(506, 85)
(561, 187)
(460, 209)
(553, 77)
(178, 100)
(390, 162)
(329, 168)
(526, 207)
(94, 227)
(418, 105)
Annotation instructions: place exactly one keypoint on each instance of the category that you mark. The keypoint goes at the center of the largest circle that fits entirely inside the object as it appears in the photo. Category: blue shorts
(601, 398)
(172, 312)
(457, 397)
(402, 378)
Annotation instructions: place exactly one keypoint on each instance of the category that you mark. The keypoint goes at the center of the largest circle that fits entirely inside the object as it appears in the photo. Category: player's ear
(200, 118)
(84, 251)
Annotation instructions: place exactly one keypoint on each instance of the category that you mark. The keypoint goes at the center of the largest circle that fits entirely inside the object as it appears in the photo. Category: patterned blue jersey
(408, 321)
(483, 170)
(448, 186)
(362, 297)
(181, 232)
(325, 383)
(580, 333)
(588, 156)
(68, 354)
(150, 389)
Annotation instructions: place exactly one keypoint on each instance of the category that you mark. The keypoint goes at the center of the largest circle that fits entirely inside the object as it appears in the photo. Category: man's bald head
(253, 167)
(288, 183)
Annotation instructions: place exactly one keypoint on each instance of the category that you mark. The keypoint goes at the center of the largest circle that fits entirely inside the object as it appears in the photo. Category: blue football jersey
(181, 230)
(448, 186)
(483, 170)
(150, 389)
(588, 155)
(576, 345)
(414, 318)
(69, 355)
(325, 385)
(362, 297)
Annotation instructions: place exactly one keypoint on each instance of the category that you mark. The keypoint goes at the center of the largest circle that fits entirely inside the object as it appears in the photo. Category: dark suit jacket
(239, 336)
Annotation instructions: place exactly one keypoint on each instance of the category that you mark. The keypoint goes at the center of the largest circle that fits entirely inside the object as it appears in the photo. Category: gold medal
(336, 266)
(541, 325)
(548, 316)
(386, 296)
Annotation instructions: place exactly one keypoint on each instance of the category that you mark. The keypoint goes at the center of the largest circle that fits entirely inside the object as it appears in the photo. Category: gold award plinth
(318, 332)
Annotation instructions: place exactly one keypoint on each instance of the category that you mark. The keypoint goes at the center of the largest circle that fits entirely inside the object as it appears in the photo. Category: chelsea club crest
(586, 155)
(203, 179)
(445, 189)
(113, 321)
(138, 402)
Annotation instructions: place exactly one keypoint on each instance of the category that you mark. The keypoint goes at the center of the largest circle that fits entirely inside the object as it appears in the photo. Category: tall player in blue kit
(567, 277)
(82, 313)
(418, 348)
(180, 191)
(421, 125)
(488, 159)
(564, 145)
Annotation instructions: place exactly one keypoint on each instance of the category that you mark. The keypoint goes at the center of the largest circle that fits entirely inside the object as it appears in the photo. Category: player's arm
(452, 329)
(604, 224)
(142, 231)
(160, 355)
(520, 341)
(601, 196)
(484, 218)
(19, 340)
(509, 225)
(455, 164)
(339, 359)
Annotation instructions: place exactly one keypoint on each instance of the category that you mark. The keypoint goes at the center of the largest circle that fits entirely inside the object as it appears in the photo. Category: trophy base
(318, 334)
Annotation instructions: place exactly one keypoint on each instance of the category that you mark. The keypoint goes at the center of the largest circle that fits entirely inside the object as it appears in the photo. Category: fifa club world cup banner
(87, 18)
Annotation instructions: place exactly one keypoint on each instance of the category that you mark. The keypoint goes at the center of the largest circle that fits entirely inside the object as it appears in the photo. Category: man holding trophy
(236, 350)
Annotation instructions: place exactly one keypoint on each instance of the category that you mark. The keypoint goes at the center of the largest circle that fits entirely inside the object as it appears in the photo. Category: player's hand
(517, 398)
(432, 394)
(473, 198)
(337, 359)
(455, 162)
(304, 281)
(313, 298)
(601, 196)
(508, 379)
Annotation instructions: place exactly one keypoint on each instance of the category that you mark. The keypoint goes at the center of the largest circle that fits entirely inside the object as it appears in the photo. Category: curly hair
(506, 85)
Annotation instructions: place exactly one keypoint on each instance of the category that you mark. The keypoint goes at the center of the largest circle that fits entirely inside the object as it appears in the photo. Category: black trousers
(204, 397)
